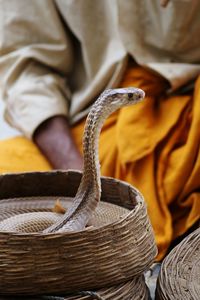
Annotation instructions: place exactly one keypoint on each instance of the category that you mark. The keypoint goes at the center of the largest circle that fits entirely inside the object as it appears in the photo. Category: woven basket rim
(110, 254)
(139, 198)
(172, 269)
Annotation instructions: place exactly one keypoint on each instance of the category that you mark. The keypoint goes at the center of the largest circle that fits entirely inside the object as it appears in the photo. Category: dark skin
(54, 139)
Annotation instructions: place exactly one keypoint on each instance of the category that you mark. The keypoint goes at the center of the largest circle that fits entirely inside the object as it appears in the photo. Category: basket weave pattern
(132, 289)
(66, 262)
(179, 276)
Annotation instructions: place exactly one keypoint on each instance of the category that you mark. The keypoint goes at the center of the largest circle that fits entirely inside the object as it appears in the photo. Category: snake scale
(89, 191)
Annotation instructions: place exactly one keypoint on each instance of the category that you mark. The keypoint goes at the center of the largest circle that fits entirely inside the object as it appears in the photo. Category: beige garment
(71, 50)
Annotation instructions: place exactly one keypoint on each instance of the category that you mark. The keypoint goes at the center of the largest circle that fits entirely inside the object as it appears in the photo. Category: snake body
(89, 191)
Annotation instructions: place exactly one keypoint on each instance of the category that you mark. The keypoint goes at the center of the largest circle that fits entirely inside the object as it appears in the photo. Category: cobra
(89, 191)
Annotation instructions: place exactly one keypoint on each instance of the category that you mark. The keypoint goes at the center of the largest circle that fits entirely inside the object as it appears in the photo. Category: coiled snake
(89, 191)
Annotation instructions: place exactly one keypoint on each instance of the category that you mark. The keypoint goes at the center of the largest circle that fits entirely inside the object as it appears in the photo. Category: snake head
(123, 96)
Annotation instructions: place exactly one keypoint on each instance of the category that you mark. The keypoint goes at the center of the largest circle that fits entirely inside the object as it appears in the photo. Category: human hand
(54, 139)
(164, 2)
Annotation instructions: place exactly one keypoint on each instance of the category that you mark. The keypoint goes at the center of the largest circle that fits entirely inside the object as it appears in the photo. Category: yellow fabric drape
(153, 145)
(19, 154)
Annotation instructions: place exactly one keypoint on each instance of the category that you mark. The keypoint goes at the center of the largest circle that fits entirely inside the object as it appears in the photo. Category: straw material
(97, 257)
(23, 208)
(179, 276)
(134, 289)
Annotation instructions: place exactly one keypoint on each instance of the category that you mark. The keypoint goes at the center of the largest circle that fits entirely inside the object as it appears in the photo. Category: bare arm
(54, 139)
(164, 3)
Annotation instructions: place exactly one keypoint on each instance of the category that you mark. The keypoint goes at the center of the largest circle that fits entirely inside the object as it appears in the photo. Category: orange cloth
(153, 145)
(19, 154)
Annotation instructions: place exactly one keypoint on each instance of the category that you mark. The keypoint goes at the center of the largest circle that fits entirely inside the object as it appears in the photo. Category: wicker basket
(133, 289)
(67, 262)
(179, 276)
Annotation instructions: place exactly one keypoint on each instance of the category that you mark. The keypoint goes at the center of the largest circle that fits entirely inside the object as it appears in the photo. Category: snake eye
(130, 95)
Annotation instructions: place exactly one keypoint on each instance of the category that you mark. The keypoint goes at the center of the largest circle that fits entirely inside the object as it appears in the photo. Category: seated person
(57, 57)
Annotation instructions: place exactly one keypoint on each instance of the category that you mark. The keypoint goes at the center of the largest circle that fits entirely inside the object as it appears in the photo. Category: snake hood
(122, 96)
